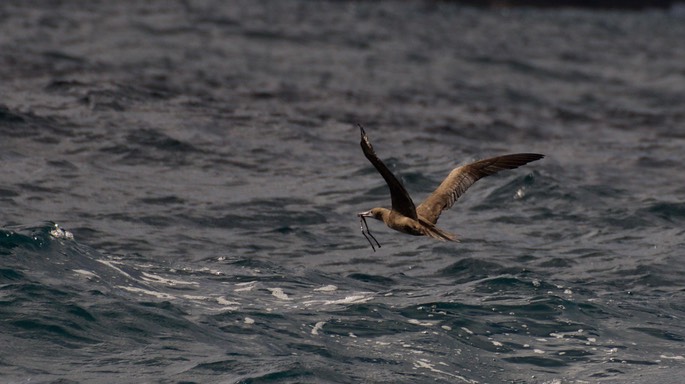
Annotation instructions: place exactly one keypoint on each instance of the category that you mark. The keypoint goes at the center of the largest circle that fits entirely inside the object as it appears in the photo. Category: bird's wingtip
(535, 156)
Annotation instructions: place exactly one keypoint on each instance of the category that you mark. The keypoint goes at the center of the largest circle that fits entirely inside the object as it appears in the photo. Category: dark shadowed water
(180, 180)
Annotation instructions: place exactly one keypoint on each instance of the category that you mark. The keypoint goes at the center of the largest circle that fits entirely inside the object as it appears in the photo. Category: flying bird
(405, 217)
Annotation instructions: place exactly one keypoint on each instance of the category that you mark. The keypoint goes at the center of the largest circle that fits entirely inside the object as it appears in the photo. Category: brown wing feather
(401, 201)
(461, 178)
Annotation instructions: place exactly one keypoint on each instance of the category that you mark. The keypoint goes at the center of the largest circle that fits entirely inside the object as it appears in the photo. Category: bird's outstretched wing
(461, 178)
(401, 201)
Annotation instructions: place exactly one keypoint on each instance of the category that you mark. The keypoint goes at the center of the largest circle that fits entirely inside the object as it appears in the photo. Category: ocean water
(180, 181)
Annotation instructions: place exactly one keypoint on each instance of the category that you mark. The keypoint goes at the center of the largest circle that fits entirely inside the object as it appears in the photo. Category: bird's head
(376, 213)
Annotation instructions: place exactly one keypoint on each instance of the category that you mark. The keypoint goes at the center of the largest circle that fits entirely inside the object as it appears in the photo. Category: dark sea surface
(180, 181)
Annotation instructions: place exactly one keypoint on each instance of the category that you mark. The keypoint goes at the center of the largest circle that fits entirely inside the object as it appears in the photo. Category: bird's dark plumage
(406, 217)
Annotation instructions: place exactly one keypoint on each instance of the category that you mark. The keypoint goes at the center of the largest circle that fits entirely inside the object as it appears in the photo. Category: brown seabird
(421, 220)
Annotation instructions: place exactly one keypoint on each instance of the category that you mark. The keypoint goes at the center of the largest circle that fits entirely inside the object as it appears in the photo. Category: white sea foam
(142, 291)
(678, 357)
(354, 299)
(111, 265)
(87, 274)
(423, 324)
(279, 294)
(327, 288)
(317, 327)
(244, 287)
(423, 363)
(59, 233)
(149, 277)
(225, 302)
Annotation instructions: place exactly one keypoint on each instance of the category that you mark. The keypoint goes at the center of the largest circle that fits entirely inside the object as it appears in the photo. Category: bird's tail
(437, 233)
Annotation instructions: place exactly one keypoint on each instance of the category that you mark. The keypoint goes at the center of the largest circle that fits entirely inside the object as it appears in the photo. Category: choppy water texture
(204, 157)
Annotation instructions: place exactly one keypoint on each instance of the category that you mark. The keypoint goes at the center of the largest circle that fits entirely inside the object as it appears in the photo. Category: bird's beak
(365, 214)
